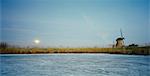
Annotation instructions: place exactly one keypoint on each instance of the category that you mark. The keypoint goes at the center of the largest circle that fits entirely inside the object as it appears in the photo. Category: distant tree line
(3, 45)
(133, 45)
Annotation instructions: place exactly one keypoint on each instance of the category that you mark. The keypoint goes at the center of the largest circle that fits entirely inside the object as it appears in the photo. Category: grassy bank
(134, 51)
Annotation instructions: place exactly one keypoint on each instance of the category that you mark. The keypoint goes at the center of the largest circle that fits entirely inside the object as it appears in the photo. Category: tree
(133, 45)
(3, 45)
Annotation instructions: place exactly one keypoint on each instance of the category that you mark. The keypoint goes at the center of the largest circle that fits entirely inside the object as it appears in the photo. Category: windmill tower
(119, 41)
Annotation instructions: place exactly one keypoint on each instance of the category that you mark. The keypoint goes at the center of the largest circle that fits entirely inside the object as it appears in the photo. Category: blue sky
(74, 23)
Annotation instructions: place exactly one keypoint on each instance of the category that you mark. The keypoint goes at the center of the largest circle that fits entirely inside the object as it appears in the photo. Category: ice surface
(74, 65)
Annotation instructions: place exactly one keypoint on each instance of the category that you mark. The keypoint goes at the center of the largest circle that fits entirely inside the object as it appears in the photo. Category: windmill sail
(121, 33)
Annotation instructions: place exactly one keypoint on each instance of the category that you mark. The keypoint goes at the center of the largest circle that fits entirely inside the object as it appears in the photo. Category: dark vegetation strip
(129, 51)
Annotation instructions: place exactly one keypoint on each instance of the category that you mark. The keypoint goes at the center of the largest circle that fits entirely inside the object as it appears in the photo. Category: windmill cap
(120, 38)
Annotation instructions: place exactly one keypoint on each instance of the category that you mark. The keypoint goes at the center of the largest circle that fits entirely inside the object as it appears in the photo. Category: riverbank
(129, 51)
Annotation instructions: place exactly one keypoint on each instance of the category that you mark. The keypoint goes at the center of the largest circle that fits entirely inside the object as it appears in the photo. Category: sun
(36, 41)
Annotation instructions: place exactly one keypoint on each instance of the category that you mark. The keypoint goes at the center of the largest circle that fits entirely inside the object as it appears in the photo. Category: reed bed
(135, 51)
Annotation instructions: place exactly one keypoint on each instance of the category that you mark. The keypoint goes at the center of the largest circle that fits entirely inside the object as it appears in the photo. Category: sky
(74, 23)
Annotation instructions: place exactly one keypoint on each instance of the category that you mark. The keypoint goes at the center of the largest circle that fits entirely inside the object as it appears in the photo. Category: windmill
(119, 41)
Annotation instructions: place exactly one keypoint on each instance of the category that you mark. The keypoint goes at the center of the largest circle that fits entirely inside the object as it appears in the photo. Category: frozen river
(74, 65)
